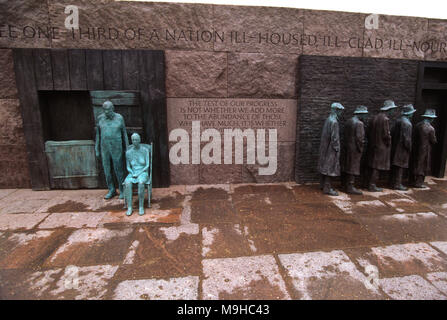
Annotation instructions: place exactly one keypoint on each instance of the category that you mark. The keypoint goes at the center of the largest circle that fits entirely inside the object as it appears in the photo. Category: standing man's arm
(124, 133)
(97, 142)
(407, 137)
(359, 136)
(432, 136)
(335, 136)
(386, 132)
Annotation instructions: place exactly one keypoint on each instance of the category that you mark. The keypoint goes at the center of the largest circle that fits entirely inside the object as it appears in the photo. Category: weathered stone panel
(13, 157)
(398, 35)
(24, 23)
(196, 74)
(260, 75)
(259, 29)
(333, 33)
(134, 24)
(8, 87)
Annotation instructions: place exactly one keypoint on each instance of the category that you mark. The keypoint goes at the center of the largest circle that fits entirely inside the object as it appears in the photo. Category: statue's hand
(98, 154)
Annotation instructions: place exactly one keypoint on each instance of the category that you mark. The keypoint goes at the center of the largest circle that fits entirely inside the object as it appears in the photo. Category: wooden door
(432, 94)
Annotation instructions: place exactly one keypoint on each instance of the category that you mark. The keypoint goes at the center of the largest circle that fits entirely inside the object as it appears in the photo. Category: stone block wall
(13, 159)
(212, 51)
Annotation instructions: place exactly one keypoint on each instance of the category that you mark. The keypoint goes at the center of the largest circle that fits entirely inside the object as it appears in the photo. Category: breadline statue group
(388, 149)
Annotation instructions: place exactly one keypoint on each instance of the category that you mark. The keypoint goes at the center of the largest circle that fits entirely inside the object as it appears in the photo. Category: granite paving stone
(440, 245)
(400, 259)
(152, 216)
(304, 227)
(158, 289)
(20, 206)
(439, 280)
(20, 221)
(326, 275)
(410, 288)
(91, 246)
(226, 240)
(162, 253)
(30, 249)
(72, 220)
(72, 282)
(213, 211)
(245, 278)
(400, 227)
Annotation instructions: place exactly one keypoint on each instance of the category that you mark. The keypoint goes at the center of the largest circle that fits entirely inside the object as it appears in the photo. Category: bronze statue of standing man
(401, 146)
(329, 161)
(379, 144)
(354, 140)
(111, 135)
(424, 139)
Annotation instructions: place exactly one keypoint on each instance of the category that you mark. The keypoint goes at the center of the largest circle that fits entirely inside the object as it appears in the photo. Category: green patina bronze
(72, 164)
(110, 136)
(138, 160)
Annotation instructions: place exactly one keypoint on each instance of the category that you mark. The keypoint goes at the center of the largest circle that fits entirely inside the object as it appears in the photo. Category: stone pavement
(259, 241)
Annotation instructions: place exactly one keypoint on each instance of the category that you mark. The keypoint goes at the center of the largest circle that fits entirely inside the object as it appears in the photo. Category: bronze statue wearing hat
(329, 161)
(379, 144)
(354, 140)
(401, 146)
(424, 139)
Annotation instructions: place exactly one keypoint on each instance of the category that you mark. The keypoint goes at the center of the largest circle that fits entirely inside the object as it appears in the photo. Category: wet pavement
(255, 241)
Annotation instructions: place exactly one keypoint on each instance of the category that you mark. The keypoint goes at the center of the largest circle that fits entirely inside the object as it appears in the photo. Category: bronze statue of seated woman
(137, 160)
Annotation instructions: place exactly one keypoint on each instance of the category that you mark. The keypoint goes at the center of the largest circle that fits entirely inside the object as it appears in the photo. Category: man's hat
(429, 113)
(361, 109)
(337, 105)
(408, 109)
(387, 105)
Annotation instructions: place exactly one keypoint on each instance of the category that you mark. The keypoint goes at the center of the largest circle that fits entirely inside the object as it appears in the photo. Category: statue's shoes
(400, 187)
(420, 186)
(141, 212)
(331, 192)
(354, 190)
(374, 188)
(110, 195)
(129, 212)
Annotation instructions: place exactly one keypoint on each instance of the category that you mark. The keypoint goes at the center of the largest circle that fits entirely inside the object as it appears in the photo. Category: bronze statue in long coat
(424, 138)
(329, 160)
(401, 145)
(354, 141)
(379, 144)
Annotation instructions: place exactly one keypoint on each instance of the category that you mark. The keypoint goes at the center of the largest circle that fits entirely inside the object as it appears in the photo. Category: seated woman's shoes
(129, 212)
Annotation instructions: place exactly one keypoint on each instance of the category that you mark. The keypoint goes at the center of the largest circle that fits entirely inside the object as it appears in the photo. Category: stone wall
(13, 160)
(212, 51)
